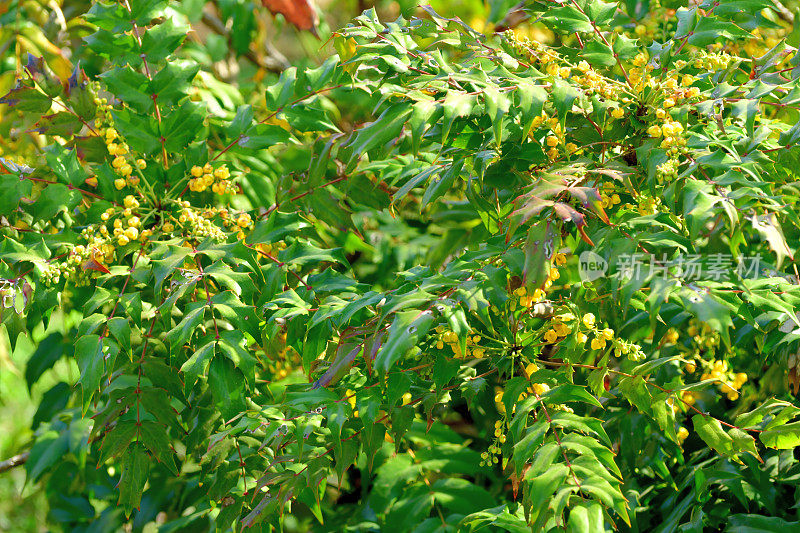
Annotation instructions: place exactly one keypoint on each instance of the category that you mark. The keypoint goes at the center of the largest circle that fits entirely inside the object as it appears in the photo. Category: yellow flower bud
(598, 343)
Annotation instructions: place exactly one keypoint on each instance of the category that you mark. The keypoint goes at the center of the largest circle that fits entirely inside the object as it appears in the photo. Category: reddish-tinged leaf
(93, 264)
(345, 356)
(590, 198)
(585, 237)
(300, 13)
(567, 213)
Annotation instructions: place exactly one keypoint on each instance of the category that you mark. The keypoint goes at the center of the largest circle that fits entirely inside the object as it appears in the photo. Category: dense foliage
(534, 279)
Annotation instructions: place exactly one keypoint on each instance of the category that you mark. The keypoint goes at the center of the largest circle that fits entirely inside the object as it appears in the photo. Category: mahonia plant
(472, 300)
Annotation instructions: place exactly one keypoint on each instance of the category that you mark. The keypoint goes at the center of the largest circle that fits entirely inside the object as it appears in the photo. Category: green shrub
(443, 281)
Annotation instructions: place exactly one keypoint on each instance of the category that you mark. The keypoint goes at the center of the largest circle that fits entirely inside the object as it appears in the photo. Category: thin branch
(15, 461)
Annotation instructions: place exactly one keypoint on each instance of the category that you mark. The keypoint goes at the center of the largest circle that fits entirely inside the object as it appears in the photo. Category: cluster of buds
(119, 150)
(555, 139)
(729, 383)
(207, 176)
(560, 327)
(83, 260)
(198, 224)
(682, 434)
(710, 61)
(591, 82)
(103, 109)
(520, 296)
(602, 336)
(126, 226)
(704, 335)
(492, 454)
(672, 133)
(240, 222)
(639, 74)
(668, 170)
(449, 337)
(648, 205)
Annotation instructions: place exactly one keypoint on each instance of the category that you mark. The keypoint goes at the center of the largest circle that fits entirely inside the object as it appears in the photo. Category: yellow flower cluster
(125, 228)
(446, 336)
(602, 336)
(730, 383)
(672, 132)
(550, 62)
(207, 176)
(559, 329)
(271, 249)
(198, 224)
(608, 196)
(77, 267)
(118, 150)
(556, 137)
(648, 205)
(592, 82)
(706, 61)
(492, 455)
